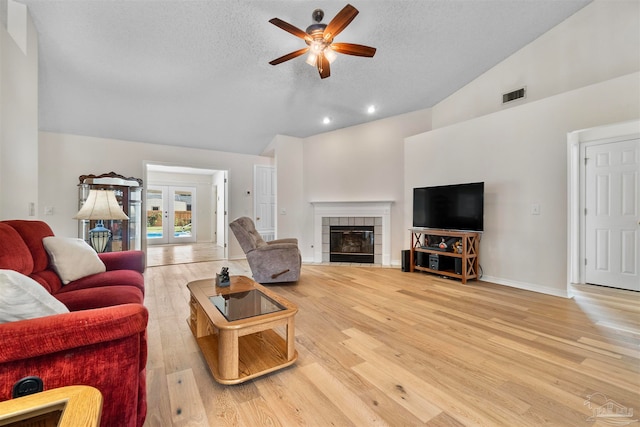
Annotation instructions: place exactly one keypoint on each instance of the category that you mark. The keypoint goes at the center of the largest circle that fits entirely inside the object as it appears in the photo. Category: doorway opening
(186, 214)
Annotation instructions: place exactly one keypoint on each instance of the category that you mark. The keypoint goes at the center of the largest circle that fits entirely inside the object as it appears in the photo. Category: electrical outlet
(535, 209)
(48, 210)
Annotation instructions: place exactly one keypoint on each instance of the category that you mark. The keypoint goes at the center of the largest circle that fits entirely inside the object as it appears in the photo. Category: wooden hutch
(128, 191)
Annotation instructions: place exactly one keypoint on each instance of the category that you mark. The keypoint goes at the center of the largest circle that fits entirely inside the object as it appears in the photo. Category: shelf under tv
(468, 257)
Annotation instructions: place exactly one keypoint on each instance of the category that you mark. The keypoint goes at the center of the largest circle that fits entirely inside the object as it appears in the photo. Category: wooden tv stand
(469, 256)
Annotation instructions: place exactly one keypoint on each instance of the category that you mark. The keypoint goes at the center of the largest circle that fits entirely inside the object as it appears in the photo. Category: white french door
(612, 230)
(171, 214)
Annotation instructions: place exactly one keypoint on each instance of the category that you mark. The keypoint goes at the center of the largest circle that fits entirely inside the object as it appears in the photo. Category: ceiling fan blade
(354, 49)
(323, 67)
(340, 22)
(289, 56)
(290, 28)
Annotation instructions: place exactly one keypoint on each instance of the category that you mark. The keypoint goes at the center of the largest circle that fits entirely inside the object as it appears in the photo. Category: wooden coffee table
(234, 328)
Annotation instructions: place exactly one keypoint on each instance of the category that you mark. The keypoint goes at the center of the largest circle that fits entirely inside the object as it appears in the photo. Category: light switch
(535, 209)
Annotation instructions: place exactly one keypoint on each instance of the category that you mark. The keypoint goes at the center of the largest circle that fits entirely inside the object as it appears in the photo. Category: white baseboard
(504, 282)
(527, 286)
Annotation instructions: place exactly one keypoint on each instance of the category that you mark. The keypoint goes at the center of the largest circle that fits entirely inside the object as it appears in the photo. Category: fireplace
(351, 243)
(374, 213)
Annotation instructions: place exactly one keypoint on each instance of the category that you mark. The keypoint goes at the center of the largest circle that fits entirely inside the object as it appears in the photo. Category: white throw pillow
(21, 298)
(72, 258)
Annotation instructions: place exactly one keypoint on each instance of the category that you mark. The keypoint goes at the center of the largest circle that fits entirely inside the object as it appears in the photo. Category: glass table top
(242, 305)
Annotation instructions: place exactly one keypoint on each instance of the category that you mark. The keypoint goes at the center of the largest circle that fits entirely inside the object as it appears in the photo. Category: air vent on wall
(512, 96)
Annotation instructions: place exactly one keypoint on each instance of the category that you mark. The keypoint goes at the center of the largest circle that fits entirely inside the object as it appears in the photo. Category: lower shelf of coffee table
(260, 353)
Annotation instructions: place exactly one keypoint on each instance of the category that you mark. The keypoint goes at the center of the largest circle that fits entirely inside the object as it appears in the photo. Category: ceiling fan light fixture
(312, 59)
(330, 54)
(316, 47)
(319, 39)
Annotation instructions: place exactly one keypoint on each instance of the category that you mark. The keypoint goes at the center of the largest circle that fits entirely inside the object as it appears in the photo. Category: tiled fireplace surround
(353, 213)
(327, 222)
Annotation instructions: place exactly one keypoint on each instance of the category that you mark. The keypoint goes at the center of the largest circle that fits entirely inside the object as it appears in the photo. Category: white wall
(221, 226)
(359, 163)
(521, 155)
(597, 43)
(19, 117)
(598, 46)
(63, 158)
(289, 188)
(582, 73)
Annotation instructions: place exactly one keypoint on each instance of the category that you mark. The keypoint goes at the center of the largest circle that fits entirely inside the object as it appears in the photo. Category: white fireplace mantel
(380, 209)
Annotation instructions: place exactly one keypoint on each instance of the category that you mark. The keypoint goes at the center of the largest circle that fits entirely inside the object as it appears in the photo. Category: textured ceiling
(196, 73)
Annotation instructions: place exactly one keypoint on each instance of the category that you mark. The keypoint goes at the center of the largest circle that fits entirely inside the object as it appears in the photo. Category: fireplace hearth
(352, 243)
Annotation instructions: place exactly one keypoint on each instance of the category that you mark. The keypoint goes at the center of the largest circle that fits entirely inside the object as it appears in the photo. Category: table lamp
(100, 205)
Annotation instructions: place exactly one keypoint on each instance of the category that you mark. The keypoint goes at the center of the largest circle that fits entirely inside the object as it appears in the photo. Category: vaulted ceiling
(197, 73)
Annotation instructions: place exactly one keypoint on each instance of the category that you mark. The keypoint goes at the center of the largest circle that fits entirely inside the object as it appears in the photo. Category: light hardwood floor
(379, 347)
(182, 254)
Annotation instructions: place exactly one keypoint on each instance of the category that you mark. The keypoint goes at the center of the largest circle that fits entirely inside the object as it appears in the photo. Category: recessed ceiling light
(371, 109)
(326, 120)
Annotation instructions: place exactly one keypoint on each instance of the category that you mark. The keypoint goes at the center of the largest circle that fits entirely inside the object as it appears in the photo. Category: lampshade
(100, 205)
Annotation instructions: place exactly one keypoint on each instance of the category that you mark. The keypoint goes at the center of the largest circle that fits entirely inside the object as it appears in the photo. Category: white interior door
(265, 201)
(612, 236)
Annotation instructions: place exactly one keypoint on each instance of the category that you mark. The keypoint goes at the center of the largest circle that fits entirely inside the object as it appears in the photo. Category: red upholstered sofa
(102, 340)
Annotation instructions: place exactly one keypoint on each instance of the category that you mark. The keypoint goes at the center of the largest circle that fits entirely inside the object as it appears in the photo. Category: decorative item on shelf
(457, 247)
(222, 278)
(100, 205)
(449, 245)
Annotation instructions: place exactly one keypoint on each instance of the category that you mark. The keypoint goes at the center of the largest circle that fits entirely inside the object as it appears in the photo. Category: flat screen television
(449, 207)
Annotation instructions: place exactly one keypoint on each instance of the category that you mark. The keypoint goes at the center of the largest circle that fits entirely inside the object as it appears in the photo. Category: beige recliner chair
(270, 262)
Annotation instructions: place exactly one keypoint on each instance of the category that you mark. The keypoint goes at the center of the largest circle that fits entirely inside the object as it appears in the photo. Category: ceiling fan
(319, 38)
